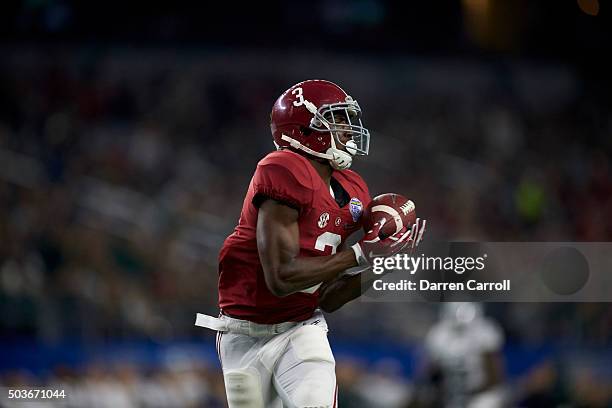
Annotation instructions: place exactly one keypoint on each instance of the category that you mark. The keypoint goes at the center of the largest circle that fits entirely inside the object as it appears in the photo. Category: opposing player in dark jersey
(286, 259)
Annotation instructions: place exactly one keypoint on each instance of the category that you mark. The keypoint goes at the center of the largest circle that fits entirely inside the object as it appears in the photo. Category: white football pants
(292, 369)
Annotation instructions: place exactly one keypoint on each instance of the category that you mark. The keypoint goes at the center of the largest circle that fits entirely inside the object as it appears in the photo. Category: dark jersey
(324, 225)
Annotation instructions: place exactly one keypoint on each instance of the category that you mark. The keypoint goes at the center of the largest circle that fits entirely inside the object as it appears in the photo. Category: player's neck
(324, 170)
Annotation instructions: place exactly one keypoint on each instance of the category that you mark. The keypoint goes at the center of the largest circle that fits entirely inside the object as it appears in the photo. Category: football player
(285, 261)
(464, 350)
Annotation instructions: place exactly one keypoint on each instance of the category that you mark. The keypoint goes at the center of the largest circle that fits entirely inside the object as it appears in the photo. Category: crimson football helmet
(315, 116)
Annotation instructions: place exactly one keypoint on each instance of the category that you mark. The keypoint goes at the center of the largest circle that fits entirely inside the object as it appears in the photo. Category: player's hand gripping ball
(393, 211)
(391, 224)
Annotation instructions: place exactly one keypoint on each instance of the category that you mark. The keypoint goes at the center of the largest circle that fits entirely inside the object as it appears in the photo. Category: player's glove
(372, 246)
(416, 232)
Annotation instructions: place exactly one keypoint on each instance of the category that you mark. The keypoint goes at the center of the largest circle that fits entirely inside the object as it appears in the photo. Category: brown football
(397, 210)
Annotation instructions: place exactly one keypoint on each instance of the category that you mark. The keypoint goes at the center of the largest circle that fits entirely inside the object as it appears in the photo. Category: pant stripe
(336, 396)
(219, 334)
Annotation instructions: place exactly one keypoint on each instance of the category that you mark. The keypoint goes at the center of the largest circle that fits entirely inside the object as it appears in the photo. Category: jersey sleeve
(282, 182)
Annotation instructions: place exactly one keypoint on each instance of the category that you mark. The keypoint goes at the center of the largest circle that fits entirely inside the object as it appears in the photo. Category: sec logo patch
(323, 220)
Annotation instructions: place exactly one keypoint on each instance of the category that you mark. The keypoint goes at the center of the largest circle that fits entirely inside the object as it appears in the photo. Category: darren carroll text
(424, 284)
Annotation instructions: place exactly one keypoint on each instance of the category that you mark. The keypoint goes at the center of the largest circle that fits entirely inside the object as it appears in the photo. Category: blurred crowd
(125, 386)
(194, 385)
(122, 171)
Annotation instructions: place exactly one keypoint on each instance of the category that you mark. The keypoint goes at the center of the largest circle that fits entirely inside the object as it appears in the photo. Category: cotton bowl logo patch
(356, 208)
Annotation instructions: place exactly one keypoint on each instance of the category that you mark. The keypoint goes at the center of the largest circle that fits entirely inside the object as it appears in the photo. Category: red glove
(371, 246)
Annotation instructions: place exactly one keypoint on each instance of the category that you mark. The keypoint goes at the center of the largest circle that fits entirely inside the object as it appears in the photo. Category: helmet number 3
(299, 97)
(327, 239)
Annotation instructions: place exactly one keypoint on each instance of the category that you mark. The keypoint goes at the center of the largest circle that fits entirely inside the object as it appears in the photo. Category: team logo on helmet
(356, 208)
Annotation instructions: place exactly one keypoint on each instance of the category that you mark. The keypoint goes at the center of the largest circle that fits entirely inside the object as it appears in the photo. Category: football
(397, 210)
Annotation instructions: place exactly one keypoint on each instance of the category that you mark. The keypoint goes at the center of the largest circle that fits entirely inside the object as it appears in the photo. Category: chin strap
(341, 160)
(338, 159)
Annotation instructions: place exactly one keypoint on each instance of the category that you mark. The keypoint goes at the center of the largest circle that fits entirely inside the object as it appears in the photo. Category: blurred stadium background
(128, 135)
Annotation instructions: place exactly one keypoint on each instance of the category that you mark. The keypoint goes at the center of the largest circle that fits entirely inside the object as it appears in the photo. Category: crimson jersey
(324, 225)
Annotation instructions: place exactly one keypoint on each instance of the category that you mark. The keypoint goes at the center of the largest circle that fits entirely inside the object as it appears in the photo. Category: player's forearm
(339, 292)
(344, 289)
(304, 272)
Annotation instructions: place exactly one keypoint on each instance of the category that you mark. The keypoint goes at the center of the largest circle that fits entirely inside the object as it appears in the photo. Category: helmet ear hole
(305, 131)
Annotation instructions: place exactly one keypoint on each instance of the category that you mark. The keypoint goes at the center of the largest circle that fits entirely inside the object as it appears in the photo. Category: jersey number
(326, 239)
